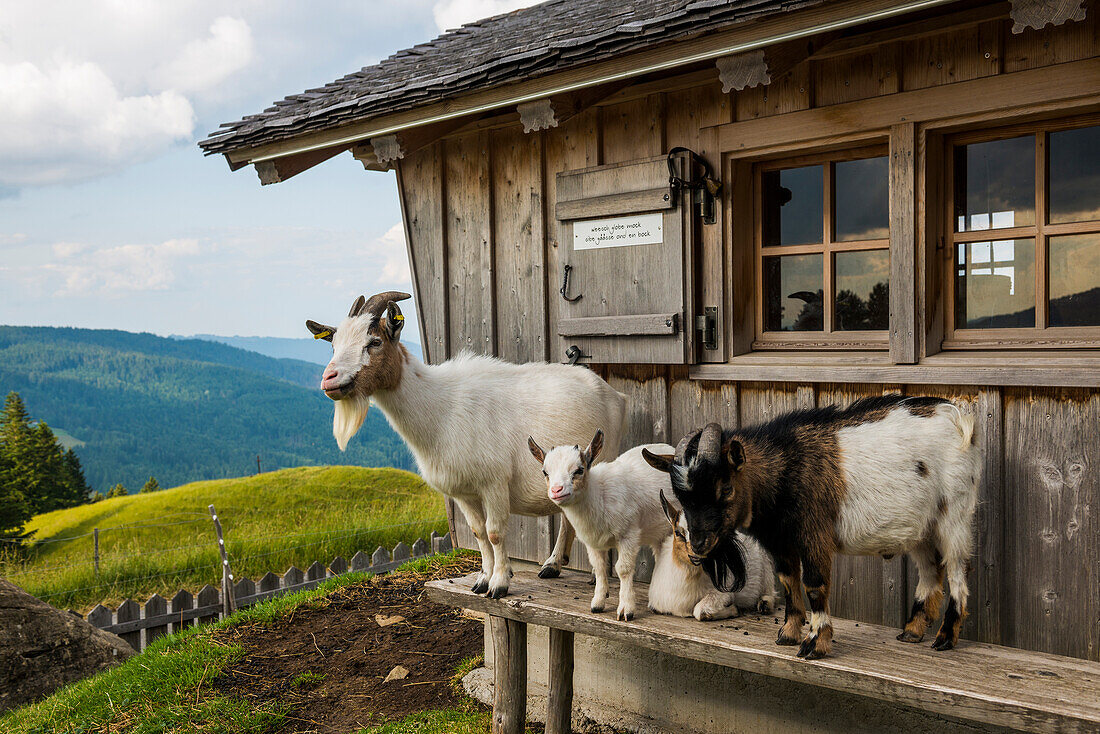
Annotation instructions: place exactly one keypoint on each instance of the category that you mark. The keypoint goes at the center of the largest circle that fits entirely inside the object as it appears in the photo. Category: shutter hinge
(707, 325)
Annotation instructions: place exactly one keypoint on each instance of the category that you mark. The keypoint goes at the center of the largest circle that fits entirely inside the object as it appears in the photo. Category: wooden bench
(978, 682)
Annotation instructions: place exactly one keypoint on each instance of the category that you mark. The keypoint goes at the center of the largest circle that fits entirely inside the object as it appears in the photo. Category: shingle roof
(523, 44)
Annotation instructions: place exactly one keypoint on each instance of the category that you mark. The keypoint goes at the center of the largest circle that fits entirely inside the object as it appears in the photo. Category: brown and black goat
(887, 475)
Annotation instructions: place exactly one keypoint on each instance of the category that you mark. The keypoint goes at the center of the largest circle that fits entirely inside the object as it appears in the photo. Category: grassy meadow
(163, 541)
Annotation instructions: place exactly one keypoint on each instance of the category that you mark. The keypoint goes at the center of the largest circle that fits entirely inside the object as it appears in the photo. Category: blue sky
(110, 217)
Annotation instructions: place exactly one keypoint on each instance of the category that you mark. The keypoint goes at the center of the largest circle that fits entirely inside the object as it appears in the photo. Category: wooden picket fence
(140, 624)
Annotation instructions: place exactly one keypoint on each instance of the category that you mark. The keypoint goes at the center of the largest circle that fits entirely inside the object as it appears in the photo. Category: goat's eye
(578, 472)
(374, 342)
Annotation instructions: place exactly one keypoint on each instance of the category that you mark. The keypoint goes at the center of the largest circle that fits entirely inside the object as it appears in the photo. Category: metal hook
(564, 291)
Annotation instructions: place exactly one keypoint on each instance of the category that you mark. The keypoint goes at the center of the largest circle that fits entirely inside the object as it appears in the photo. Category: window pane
(792, 206)
(862, 200)
(995, 184)
(1074, 276)
(1075, 175)
(793, 287)
(995, 285)
(862, 290)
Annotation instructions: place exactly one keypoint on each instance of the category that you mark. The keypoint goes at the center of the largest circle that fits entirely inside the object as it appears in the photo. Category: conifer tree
(117, 491)
(150, 486)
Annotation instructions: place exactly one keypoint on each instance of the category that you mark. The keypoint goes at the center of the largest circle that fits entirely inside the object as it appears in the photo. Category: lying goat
(683, 589)
(612, 506)
(886, 475)
(449, 413)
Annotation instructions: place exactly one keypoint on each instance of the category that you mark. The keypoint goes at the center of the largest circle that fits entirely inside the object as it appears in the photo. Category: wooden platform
(976, 681)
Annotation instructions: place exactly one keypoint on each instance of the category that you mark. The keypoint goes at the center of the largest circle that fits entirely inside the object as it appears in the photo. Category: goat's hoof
(496, 592)
(480, 587)
(810, 650)
(907, 636)
(943, 643)
(624, 616)
(549, 572)
(786, 640)
(764, 606)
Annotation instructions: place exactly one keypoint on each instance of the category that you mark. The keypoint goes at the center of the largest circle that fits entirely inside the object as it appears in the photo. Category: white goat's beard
(348, 418)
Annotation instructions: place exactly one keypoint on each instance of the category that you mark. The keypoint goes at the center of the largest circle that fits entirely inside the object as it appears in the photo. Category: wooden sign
(640, 229)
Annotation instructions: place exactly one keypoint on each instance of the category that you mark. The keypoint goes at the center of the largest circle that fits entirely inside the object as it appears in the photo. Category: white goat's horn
(357, 307)
(376, 304)
(710, 442)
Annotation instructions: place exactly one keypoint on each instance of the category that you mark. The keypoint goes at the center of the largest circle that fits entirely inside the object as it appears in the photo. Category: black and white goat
(450, 414)
(886, 475)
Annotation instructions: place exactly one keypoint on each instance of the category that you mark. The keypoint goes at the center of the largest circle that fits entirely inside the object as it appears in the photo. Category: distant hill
(305, 349)
(179, 410)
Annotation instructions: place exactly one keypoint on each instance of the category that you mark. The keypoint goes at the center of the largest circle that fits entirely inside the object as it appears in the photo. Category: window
(822, 252)
(1025, 238)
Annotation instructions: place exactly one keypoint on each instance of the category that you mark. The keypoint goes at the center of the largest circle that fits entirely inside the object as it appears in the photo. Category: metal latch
(574, 354)
(704, 187)
(706, 324)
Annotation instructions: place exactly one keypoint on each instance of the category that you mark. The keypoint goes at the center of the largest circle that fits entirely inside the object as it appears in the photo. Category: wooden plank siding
(479, 208)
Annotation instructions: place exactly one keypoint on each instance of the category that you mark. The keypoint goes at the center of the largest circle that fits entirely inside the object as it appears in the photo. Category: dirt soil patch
(329, 664)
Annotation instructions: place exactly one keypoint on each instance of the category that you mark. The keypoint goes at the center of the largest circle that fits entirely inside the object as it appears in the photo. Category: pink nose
(329, 379)
(557, 491)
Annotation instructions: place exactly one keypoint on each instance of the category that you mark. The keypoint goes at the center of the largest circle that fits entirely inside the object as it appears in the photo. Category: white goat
(612, 506)
(681, 588)
(450, 413)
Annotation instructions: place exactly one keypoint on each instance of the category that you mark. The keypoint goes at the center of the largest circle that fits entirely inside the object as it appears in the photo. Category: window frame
(1041, 335)
(827, 339)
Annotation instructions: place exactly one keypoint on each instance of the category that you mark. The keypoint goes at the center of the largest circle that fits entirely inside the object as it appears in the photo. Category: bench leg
(559, 714)
(509, 675)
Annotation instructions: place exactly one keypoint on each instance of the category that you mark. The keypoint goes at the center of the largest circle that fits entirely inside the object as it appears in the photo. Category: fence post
(95, 553)
(227, 573)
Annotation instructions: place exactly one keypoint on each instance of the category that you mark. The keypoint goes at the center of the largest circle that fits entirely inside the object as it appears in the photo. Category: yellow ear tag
(322, 335)
(399, 317)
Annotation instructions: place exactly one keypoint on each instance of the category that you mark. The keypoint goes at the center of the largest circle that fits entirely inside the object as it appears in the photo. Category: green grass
(164, 541)
(168, 687)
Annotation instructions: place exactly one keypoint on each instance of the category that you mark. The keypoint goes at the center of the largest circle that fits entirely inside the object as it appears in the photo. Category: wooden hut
(896, 196)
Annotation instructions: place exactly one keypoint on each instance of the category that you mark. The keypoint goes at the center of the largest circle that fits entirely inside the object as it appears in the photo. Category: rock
(43, 648)
(398, 673)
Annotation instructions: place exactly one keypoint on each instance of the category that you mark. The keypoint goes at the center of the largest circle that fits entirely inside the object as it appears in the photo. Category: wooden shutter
(627, 239)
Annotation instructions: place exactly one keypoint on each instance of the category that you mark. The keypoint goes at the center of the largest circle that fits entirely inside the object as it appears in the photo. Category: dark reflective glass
(1074, 276)
(862, 290)
(995, 184)
(792, 206)
(862, 200)
(793, 293)
(995, 285)
(1075, 175)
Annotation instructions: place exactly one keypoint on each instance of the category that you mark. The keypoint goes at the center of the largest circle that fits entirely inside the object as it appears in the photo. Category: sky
(111, 217)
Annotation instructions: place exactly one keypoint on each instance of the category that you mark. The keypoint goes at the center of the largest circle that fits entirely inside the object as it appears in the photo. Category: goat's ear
(734, 454)
(536, 450)
(394, 321)
(320, 331)
(671, 513)
(594, 448)
(660, 462)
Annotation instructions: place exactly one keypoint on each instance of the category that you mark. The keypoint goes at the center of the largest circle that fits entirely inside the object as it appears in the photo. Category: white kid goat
(449, 413)
(682, 589)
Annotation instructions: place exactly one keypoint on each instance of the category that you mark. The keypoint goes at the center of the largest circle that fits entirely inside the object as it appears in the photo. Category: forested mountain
(180, 410)
(305, 348)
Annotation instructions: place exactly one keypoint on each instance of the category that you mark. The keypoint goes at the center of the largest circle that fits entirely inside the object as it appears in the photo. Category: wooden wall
(478, 208)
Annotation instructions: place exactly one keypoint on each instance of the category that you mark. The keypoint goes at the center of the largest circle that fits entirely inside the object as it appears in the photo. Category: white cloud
(206, 62)
(69, 122)
(115, 270)
(450, 14)
(391, 246)
(92, 86)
